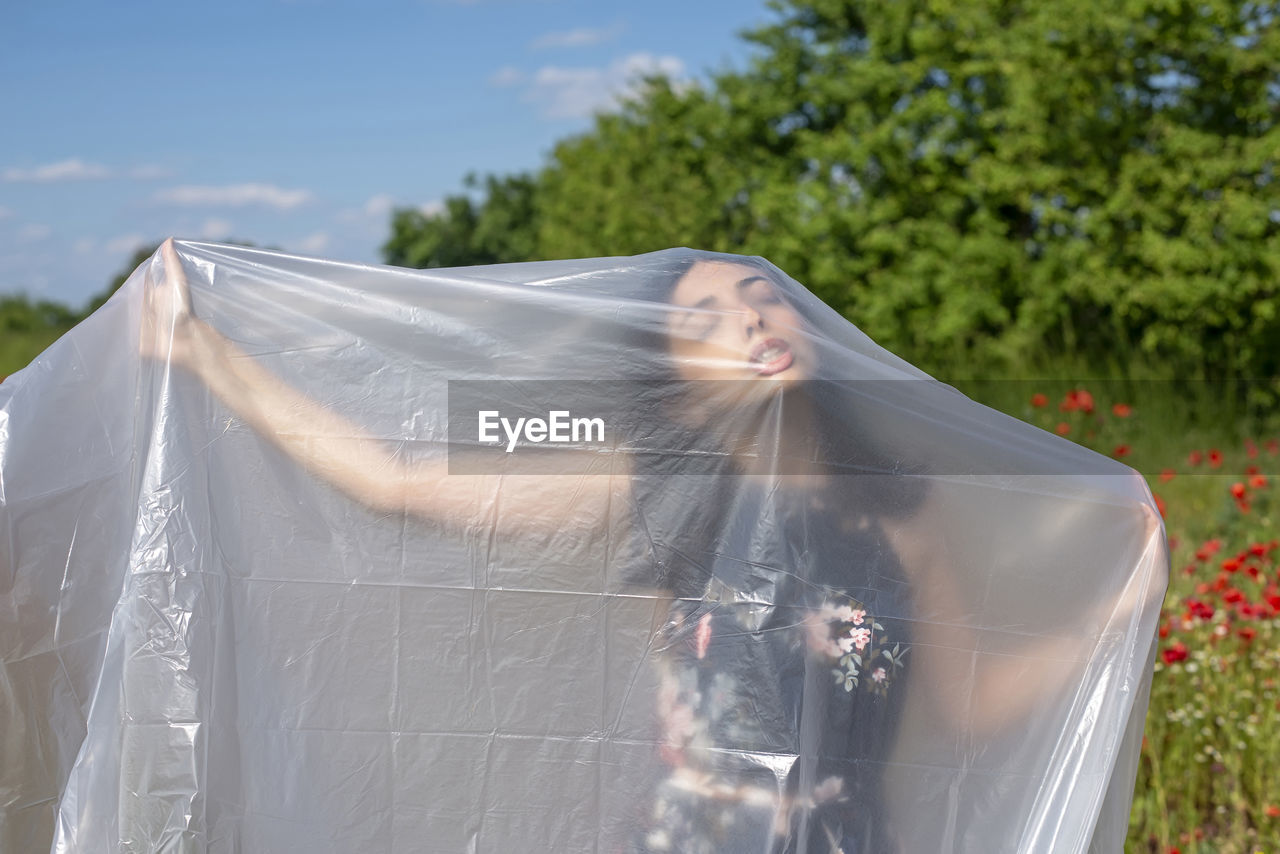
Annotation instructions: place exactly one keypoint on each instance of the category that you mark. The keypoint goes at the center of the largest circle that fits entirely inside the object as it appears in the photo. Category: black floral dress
(780, 689)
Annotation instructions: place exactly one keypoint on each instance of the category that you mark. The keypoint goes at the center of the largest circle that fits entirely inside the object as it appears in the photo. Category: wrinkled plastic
(853, 610)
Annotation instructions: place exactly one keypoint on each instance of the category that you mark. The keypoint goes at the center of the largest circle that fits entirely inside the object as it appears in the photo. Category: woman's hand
(169, 329)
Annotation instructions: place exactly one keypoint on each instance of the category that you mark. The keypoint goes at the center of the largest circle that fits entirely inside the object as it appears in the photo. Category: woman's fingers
(175, 279)
(166, 308)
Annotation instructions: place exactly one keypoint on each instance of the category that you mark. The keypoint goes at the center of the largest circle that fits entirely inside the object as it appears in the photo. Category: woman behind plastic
(790, 650)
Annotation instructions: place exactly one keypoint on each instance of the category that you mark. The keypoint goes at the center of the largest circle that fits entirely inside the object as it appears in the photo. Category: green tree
(674, 167)
(1093, 176)
(973, 182)
(27, 327)
(500, 227)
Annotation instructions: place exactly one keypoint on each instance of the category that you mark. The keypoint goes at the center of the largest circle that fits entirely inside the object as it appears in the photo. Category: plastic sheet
(272, 580)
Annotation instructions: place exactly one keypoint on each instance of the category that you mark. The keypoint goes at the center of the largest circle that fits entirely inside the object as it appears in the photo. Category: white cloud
(215, 229)
(124, 244)
(314, 242)
(578, 92)
(235, 195)
(432, 208)
(74, 169)
(506, 76)
(379, 206)
(579, 37)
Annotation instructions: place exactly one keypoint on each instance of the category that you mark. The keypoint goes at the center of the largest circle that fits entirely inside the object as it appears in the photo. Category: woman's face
(731, 322)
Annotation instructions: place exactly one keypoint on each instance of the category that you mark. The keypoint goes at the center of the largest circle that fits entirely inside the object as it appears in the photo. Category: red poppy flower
(1231, 564)
(1039, 400)
(1122, 410)
(1273, 447)
(1175, 652)
(1160, 507)
(1258, 549)
(1166, 475)
(1196, 608)
(1164, 630)
(1251, 449)
(1243, 506)
(1272, 811)
(1231, 596)
(1237, 491)
(1195, 457)
(1063, 428)
(1120, 451)
(1258, 481)
(1248, 633)
(1215, 457)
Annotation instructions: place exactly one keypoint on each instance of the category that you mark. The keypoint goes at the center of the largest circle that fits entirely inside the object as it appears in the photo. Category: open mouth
(771, 356)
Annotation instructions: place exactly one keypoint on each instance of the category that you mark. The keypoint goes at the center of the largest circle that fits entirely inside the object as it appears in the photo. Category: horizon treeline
(977, 182)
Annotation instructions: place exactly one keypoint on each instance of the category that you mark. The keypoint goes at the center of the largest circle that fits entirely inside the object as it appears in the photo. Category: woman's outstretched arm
(981, 693)
(343, 453)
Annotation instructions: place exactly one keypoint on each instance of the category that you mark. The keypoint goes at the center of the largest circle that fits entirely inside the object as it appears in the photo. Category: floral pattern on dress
(707, 714)
(842, 630)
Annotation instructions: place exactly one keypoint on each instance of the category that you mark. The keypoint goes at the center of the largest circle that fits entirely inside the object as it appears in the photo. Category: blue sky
(297, 123)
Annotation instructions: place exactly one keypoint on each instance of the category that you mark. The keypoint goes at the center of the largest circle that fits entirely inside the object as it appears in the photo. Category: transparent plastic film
(646, 554)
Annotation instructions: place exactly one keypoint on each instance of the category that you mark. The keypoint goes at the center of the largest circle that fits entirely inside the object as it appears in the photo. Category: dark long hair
(686, 480)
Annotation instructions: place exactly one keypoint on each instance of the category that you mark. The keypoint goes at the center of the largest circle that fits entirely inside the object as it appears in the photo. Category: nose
(752, 321)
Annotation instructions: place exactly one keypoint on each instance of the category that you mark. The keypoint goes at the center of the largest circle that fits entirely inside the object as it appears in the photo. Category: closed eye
(760, 289)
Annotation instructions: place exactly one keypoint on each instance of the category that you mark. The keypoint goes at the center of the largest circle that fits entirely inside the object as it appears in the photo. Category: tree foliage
(500, 227)
(976, 179)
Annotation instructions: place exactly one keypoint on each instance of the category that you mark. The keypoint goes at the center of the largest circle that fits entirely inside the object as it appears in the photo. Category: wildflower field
(1208, 779)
